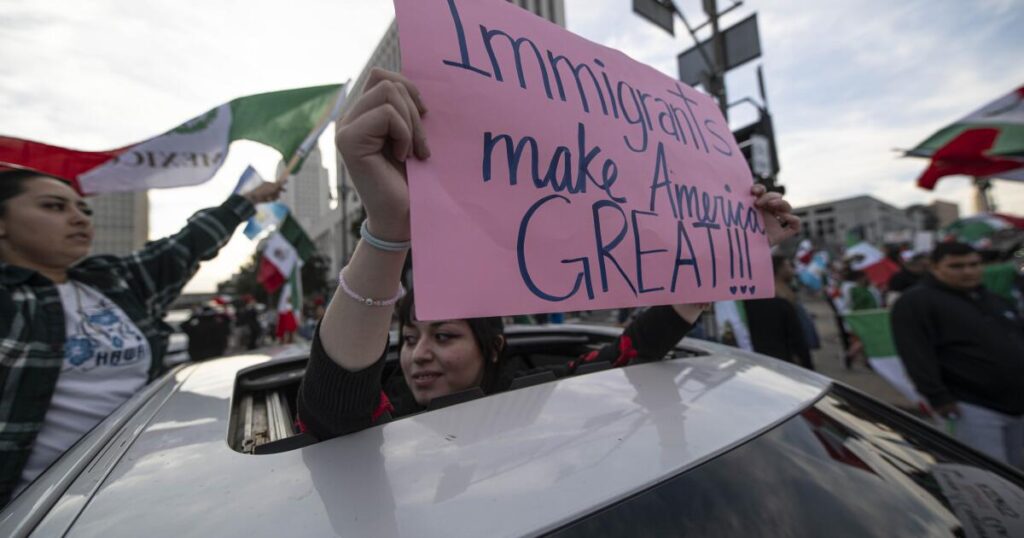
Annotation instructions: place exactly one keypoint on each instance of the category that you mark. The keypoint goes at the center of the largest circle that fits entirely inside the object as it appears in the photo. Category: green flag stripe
(999, 279)
(1010, 141)
(874, 331)
(282, 119)
(294, 234)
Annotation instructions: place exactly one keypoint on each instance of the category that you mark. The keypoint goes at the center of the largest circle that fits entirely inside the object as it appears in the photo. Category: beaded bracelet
(366, 300)
(380, 244)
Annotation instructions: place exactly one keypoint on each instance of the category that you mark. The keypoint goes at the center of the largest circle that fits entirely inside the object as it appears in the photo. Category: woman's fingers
(368, 134)
(377, 75)
(384, 93)
(790, 222)
(388, 87)
(419, 135)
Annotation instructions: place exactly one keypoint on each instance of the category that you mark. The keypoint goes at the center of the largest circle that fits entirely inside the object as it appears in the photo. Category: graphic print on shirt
(102, 337)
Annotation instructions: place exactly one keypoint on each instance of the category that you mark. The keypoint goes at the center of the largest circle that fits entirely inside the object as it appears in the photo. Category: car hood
(518, 463)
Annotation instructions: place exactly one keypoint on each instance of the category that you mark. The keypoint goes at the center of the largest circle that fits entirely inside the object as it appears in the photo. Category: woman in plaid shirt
(80, 335)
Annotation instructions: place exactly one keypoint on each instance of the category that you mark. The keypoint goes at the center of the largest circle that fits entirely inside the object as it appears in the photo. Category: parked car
(711, 441)
(177, 345)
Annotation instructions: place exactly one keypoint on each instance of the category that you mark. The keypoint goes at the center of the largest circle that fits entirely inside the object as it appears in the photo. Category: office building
(120, 222)
(387, 56)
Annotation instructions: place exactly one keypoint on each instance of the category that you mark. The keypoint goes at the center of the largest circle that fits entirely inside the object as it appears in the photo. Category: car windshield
(840, 468)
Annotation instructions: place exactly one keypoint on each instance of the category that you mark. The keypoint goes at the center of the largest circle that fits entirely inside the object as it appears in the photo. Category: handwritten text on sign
(566, 176)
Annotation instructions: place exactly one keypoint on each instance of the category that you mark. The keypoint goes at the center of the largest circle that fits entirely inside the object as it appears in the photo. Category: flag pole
(328, 116)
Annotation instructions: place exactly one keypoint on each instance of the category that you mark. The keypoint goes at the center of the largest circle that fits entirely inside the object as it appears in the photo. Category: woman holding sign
(341, 391)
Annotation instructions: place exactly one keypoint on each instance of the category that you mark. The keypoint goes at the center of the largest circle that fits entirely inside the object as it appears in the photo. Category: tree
(244, 282)
(314, 275)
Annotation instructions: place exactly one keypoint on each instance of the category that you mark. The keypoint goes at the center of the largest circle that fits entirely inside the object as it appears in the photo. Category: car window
(839, 468)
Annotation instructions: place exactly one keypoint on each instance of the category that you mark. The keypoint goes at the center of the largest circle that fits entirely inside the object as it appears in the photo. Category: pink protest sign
(565, 175)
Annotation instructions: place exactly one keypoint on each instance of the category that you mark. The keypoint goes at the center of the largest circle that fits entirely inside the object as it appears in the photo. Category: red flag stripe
(269, 276)
(56, 161)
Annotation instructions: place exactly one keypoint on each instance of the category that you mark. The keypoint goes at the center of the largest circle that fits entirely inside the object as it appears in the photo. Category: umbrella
(987, 143)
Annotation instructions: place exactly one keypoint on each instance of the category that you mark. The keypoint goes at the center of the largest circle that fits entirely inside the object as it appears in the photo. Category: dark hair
(12, 183)
(488, 333)
(951, 248)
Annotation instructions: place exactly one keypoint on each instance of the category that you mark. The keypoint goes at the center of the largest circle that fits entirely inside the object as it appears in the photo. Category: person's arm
(333, 401)
(375, 138)
(648, 338)
(914, 339)
(161, 269)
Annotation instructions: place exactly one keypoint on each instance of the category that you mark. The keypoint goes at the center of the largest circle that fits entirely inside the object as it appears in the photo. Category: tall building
(308, 194)
(120, 221)
(387, 56)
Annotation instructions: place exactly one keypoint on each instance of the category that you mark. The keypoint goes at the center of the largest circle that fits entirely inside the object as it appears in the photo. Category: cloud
(849, 82)
(102, 74)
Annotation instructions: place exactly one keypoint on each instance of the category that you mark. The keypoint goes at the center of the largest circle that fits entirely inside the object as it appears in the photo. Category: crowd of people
(953, 316)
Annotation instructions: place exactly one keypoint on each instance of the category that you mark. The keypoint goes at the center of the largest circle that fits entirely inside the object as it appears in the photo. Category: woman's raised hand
(375, 138)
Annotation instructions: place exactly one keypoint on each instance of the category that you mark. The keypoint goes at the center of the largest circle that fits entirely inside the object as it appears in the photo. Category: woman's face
(48, 225)
(440, 358)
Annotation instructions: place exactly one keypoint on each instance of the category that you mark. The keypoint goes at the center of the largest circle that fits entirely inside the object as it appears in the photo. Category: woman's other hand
(780, 222)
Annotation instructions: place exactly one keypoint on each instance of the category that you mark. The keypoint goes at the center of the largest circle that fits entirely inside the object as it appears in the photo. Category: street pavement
(829, 359)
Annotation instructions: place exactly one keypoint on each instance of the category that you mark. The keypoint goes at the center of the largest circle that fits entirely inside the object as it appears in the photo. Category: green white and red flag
(289, 121)
(987, 143)
(289, 304)
(864, 256)
(874, 329)
(287, 248)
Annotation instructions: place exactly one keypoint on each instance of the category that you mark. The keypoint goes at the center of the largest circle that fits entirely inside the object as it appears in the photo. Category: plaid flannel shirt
(32, 331)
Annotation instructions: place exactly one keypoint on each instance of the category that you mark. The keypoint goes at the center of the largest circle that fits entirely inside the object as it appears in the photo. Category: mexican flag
(284, 251)
(866, 257)
(289, 121)
(987, 143)
(875, 332)
(268, 215)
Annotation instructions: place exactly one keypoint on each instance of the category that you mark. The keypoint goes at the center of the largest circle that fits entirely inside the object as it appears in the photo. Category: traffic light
(757, 142)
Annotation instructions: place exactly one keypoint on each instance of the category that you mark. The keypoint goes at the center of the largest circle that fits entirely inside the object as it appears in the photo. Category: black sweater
(333, 401)
(966, 346)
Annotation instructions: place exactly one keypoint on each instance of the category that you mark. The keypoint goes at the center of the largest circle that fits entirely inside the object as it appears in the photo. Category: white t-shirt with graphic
(106, 361)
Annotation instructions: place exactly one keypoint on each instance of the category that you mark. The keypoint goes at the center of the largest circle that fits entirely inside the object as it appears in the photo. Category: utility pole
(716, 73)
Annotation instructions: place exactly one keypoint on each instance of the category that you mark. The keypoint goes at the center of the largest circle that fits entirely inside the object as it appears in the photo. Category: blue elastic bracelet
(378, 243)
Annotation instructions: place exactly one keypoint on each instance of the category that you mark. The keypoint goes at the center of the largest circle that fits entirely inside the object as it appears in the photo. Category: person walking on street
(775, 327)
(963, 347)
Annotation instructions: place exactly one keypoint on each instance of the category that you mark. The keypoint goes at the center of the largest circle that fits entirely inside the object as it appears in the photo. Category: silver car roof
(519, 463)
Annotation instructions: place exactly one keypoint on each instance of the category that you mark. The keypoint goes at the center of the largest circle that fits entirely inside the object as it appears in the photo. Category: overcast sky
(848, 81)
